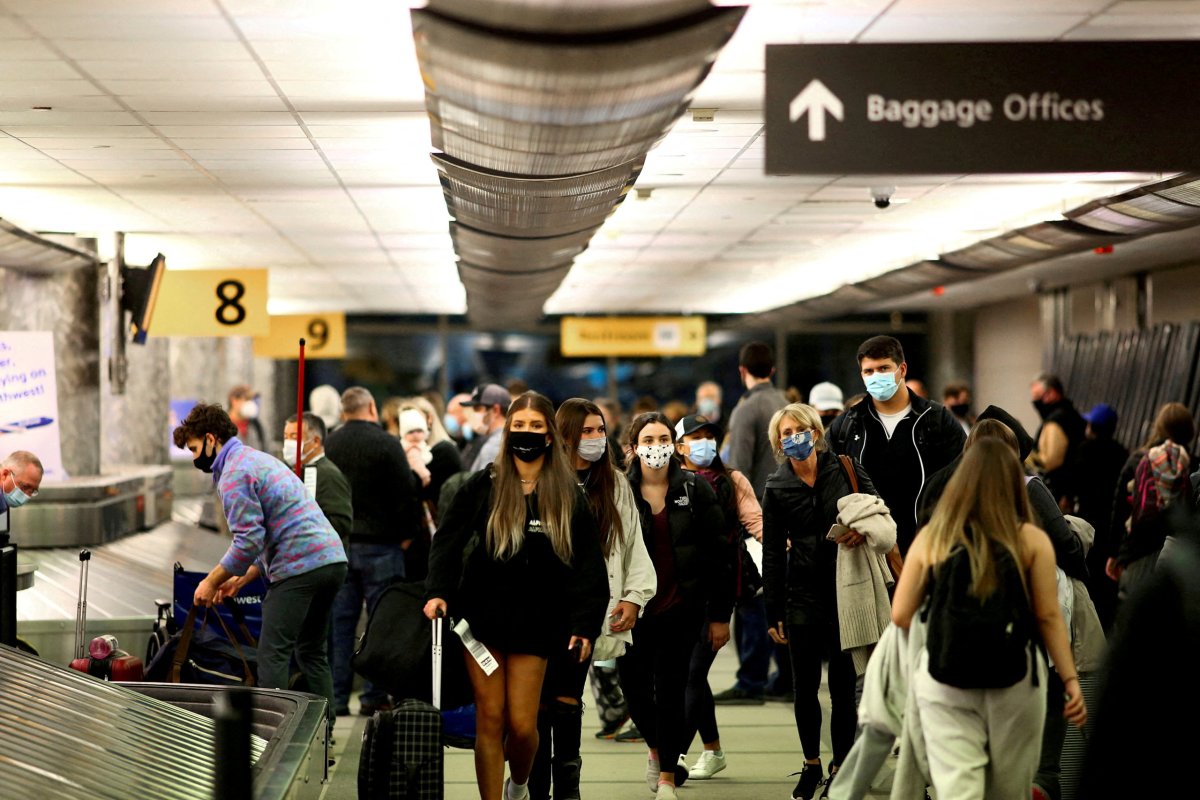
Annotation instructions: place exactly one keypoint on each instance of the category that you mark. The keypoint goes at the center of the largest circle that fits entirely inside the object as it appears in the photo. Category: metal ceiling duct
(567, 16)
(533, 207)
(1154, 208)
(544, 111)
(22, 250)
(515, 255)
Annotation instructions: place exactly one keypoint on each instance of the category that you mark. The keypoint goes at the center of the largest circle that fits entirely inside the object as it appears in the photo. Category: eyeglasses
(30, 493)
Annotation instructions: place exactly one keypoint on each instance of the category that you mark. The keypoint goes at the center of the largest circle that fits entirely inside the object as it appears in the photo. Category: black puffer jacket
(799, 584)
(703, 558)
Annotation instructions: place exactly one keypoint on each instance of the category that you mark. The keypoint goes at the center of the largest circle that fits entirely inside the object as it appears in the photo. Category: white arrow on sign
(816, 100)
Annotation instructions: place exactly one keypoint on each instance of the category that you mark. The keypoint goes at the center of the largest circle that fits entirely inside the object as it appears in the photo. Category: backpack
(973, 643)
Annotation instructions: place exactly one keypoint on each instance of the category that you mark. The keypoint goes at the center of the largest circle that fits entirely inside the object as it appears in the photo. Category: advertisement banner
(29, 399)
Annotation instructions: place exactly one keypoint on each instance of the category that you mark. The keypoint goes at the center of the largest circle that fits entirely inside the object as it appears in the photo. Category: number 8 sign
(227, 302)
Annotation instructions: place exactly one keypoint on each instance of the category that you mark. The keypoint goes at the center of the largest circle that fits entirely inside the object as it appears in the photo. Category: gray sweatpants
(982, 742)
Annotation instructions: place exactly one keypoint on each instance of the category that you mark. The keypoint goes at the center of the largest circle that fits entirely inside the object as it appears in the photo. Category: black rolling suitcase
(402, 748)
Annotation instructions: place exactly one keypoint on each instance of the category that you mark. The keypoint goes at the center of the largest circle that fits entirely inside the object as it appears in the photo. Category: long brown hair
(987, 495)
(601, 484)
(556, 490)
(1173, 421)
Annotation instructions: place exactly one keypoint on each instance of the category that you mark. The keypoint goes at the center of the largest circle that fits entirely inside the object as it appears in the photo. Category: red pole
(300, 414)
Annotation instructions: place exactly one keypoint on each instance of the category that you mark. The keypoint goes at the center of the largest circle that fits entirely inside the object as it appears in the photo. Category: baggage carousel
(64, 734)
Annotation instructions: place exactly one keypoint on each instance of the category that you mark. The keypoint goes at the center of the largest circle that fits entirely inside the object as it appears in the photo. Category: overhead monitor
(139, 293)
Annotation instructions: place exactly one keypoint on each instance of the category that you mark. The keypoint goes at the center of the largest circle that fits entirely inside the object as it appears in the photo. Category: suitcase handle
(437, 660)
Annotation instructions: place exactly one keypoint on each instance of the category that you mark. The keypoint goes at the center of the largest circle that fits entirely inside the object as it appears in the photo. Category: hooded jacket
(926, 440)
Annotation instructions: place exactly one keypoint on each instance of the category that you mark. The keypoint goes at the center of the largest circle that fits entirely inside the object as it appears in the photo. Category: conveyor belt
(64, 734)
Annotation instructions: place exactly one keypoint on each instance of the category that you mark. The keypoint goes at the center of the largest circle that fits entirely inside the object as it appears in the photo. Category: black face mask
(527, 445)
(1043, 408)
(204, 461)
(960, 409)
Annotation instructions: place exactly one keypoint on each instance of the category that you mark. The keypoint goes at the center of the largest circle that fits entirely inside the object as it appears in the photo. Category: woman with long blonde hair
(519, 531)
(984, 742)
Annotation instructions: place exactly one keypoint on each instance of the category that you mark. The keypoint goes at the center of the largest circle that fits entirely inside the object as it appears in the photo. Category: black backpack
(973, 643)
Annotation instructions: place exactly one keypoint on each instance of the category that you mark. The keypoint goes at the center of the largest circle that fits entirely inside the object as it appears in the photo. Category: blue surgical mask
(882, 385)
(451, 423)
(709, 407)
(16, 498)
(799, 446)
(702, 451)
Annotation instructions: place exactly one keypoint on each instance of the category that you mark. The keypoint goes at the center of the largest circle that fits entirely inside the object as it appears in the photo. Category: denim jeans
(753, 646)
(373, 568)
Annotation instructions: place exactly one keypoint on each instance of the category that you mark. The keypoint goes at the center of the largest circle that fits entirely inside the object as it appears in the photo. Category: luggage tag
(475, 647)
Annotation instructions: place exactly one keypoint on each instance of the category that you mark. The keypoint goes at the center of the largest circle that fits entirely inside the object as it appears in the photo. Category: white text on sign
(1034, 107)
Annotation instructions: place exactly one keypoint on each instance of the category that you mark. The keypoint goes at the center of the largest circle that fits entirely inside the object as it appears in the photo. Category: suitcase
(104, 658)
(402, 748)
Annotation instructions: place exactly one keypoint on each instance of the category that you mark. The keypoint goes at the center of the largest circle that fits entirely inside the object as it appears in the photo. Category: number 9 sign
(325, 336)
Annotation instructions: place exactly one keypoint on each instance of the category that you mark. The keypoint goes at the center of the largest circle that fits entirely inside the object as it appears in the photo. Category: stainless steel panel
(46, 524)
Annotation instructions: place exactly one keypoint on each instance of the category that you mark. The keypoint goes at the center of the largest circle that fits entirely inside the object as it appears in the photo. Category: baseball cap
(692, 423)
(1102, 415)
(825, 396)
(491, 394)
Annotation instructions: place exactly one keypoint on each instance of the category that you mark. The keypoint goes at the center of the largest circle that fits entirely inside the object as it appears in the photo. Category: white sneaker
(665, 792)
(652, 774)
(511, 794)
(710, 763)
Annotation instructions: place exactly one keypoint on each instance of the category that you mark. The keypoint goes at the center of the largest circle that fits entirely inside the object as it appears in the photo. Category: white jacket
(631, 575)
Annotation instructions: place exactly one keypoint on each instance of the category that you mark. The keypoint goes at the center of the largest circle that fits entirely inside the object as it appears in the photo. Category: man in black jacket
(387, 516)
(899, 438)
(1061, 433)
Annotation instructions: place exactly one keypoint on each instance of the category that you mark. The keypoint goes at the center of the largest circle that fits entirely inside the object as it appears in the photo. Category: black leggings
(654, 674)
(701, 710)
(809, 646)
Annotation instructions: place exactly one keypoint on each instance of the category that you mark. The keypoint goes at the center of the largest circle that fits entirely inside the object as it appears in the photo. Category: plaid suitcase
(402, 748)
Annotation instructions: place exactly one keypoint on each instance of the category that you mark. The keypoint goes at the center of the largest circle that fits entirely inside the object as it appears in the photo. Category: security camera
(882, 195)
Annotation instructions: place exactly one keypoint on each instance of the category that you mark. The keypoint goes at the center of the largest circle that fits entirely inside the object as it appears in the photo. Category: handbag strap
(848, 466)
(239, 617)
(185, 643)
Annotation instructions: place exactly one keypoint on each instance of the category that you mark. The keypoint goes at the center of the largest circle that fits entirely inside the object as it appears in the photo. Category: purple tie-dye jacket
(271, 516)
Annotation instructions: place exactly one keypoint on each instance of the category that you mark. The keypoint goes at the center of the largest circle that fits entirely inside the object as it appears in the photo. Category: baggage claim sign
(979, 108)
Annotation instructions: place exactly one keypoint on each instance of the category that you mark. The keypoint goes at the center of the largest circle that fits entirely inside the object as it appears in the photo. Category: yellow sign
(324, 336)
(633, 336)
(219, 302)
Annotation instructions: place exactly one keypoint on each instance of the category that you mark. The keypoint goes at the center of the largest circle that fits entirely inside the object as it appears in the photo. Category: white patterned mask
(655, 456)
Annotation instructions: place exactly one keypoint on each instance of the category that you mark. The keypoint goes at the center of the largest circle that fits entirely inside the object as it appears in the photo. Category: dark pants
(755, 649)
(373, 568)
(701, 711)
(811, 645)
(559, 724)
(654, 673)
(295, 620)
(1054, 733)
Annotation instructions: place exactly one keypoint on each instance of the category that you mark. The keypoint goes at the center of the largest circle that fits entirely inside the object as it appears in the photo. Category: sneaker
(828, 783)
(630, 734)
(611, 729)
(510, 794)
(738, 697)
(653, 773)
(682, 773)
(810, 781)
(665, 791)
(708, 764)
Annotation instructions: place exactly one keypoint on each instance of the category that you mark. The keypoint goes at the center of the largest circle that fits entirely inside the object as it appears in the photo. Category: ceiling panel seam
(875, 19)
(1087, 20)
(60, 53)
(291, 109)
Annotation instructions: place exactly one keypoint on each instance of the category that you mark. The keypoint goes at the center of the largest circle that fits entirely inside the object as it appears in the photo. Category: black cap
(694, 422)
(491, 394)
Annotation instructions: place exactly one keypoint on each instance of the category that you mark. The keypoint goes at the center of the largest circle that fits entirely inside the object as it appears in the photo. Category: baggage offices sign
(29, 399)
(217, 302)
(972, 108)
(632, 336)
(324, 336)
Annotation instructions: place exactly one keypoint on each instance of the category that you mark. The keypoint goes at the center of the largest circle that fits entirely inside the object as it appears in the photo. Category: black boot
(566, 779)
